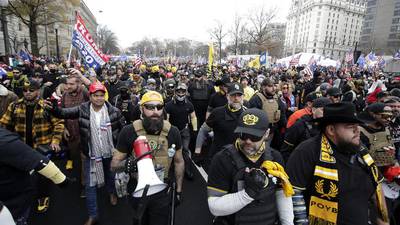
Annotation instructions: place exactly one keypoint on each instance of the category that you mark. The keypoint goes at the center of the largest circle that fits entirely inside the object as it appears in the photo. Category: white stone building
(326, 27)
(19, 32)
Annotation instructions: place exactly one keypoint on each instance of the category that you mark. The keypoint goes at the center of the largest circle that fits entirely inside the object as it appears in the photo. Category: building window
(396, 13)
(313, 51)
(19, 26)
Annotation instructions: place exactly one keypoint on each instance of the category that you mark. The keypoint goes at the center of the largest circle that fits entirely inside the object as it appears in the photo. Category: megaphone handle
(172, 221)
(142, 204)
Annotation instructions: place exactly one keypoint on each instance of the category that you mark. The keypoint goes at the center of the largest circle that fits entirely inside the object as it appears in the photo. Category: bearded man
(335, 179)
(162, 138)
(247, 183)
(222, 121)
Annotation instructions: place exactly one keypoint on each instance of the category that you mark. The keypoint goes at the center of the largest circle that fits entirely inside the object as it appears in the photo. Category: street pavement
(66, 208)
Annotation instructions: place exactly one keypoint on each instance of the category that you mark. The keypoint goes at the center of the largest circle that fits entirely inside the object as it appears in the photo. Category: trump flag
(83, 41)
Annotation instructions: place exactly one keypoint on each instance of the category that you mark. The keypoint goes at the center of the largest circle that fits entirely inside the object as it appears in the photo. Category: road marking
(201, 171)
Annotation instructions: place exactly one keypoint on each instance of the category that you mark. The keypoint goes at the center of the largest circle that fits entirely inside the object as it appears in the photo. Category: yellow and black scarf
(324, 207)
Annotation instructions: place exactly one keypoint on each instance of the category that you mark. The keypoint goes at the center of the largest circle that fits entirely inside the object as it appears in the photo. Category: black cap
(321, 102)
(376, 107)
(253, 121)
(235, 88)
(310, 97)
(333, 91)
(395, 92)
(32, 84)
(343, 112)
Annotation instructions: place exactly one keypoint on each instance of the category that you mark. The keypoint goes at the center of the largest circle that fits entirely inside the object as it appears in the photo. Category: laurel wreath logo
(333, 190)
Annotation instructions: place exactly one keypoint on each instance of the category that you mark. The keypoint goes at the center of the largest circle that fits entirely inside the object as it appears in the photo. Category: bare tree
(218, 33)
(259, 32)
(108, 41)
(235, 32)
(39, 13)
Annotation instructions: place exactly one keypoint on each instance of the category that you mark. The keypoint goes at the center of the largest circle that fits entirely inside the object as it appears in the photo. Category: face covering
(52, 70)
(180, 98)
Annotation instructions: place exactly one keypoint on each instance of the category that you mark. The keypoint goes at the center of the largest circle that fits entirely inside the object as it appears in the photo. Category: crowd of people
(279, 145)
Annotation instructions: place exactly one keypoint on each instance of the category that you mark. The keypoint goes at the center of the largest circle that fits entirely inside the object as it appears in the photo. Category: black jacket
(82, 113)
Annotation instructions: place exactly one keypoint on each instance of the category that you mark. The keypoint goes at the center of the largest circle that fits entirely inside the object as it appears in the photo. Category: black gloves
(197, 159)
(178, 198)
(255, 181)
(68, 181)
(130, 165)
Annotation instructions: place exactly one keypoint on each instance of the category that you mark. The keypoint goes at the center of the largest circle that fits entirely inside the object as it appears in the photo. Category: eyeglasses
(285, 88)
(252, 138)
(336, 96)
(153, 107)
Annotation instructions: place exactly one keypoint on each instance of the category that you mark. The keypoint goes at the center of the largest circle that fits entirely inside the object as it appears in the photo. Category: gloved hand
(130, 165)
(178, 198)
(197, 159)
(255, 181)
(68, 181)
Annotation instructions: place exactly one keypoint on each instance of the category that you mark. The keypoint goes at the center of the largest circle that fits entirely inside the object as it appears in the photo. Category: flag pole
(70, 48)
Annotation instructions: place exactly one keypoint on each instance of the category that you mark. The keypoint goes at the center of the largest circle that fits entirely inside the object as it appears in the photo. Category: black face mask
(53, 70)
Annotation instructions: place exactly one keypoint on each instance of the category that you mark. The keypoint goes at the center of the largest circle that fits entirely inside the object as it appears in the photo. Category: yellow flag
(255, 63)
(210, 56)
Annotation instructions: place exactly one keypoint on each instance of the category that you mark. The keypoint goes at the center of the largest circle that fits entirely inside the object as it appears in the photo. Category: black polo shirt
(356, 185)
(223, 122)
(127, 137)
(217, 100)
(179, 113)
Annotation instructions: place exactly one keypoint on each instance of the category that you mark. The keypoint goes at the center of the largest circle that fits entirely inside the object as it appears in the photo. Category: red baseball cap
(96, 86)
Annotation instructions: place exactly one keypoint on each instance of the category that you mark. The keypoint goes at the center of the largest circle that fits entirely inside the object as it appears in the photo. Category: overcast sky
(132, 20)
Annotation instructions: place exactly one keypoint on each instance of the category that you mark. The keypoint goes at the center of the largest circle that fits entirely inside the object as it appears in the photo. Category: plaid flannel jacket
(46, 129)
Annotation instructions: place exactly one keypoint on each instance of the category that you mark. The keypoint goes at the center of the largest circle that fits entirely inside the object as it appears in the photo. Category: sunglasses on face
(153, 107)
(252, 138)
(336, 96)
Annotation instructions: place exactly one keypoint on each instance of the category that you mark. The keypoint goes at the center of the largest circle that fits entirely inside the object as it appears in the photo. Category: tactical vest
(158, 144)
(377, 141)
(259, 212)
(271, 107)
(200, 91)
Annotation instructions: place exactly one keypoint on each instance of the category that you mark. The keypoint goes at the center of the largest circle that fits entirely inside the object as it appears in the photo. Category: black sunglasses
(153, 107)
(337, 96)
(252, 138)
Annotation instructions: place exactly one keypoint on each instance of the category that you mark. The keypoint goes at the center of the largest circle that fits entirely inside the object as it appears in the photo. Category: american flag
(308, 71)
(138, 62)
(396, 55)
(311, 61)
(295, 60)
(349, 57)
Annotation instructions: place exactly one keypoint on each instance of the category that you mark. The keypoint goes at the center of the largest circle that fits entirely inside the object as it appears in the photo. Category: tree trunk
(34, 38)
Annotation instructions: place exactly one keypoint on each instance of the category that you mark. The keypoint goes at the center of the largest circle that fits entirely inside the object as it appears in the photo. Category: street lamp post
(45, 31)
(3, 5)
(57, 47)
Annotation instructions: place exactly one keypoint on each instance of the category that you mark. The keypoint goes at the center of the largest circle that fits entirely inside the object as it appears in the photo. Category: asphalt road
(66, 208)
